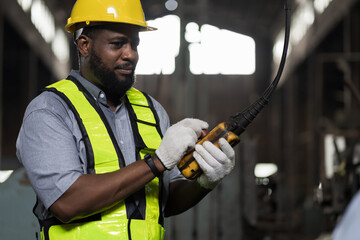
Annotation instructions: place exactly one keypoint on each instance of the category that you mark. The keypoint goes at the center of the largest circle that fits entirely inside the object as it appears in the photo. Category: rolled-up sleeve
(47, 148)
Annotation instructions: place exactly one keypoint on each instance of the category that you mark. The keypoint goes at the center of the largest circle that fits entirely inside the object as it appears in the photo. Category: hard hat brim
(71, 28)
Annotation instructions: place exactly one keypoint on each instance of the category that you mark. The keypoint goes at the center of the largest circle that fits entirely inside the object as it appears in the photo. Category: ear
(84, 45)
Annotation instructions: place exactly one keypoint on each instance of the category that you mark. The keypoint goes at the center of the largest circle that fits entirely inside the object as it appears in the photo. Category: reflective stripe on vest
(114, 223)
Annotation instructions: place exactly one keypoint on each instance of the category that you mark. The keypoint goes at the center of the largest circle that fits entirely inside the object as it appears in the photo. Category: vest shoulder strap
(92, 122)
(144, 120)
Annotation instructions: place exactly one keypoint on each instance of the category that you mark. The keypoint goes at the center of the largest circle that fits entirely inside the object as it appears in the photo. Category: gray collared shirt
(348, 226)
(51, 148)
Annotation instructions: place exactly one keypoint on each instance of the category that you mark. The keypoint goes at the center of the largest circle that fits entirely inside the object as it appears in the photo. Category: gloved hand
(178, 139)
(214, 163)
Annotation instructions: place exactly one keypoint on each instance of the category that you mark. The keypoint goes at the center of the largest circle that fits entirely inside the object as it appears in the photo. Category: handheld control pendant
(189, 167)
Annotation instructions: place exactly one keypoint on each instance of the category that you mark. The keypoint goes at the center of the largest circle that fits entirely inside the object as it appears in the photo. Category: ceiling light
(264, 170)
(171, 5)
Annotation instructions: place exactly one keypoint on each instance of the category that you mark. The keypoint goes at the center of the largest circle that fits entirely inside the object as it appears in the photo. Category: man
(93, 146)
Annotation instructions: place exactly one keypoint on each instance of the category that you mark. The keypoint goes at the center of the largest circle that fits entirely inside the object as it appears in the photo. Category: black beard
(113, 87)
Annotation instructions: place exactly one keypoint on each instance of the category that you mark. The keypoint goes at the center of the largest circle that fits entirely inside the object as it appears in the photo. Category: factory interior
(297, 164)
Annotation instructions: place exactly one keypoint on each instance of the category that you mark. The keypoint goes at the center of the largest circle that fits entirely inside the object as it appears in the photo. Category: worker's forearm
(184, 195)
(92, 192)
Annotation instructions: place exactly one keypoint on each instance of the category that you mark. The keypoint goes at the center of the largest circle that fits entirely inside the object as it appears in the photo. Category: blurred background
(297, 163)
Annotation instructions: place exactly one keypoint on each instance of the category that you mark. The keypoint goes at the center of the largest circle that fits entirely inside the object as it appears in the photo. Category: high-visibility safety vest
(105, 156)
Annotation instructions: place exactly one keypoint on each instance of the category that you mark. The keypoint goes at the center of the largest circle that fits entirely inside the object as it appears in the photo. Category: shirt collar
(96, 92)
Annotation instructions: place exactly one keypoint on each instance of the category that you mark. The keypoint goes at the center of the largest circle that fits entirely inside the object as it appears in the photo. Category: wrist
(159, 163)
(155, 168)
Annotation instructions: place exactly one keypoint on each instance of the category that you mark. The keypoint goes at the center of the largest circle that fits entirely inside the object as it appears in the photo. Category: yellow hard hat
(88, 12)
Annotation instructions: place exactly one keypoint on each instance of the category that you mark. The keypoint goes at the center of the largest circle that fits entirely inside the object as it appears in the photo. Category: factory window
(211, 50)
(219, 51)
(158, 49)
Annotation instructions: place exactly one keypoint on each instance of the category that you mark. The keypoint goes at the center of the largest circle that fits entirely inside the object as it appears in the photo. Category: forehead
(118, 29)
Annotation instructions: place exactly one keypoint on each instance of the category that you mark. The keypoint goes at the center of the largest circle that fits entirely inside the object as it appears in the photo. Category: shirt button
(121, 142)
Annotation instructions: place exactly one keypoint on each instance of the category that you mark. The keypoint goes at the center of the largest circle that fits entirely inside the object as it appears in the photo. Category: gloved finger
(215, 152)
(189, 137)
(204, 165)
(193, 122)
(207, 155)
(214, 169)
(188, 132)
(196, 124)
(227, 148)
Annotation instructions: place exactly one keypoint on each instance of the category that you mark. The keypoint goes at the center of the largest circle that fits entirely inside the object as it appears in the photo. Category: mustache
(126, 66)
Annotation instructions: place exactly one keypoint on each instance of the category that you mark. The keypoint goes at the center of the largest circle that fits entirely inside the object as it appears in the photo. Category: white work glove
(178, 140)
(214, 162)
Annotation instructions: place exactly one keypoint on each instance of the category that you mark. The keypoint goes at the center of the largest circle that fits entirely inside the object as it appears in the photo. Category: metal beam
(336, 11)
(21, 22)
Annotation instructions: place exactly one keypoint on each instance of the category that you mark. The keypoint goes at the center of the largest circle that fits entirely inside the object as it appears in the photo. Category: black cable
(238, 122)
(273, 85)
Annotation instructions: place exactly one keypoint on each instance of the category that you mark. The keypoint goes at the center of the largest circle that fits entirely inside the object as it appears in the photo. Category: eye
(117, 44)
